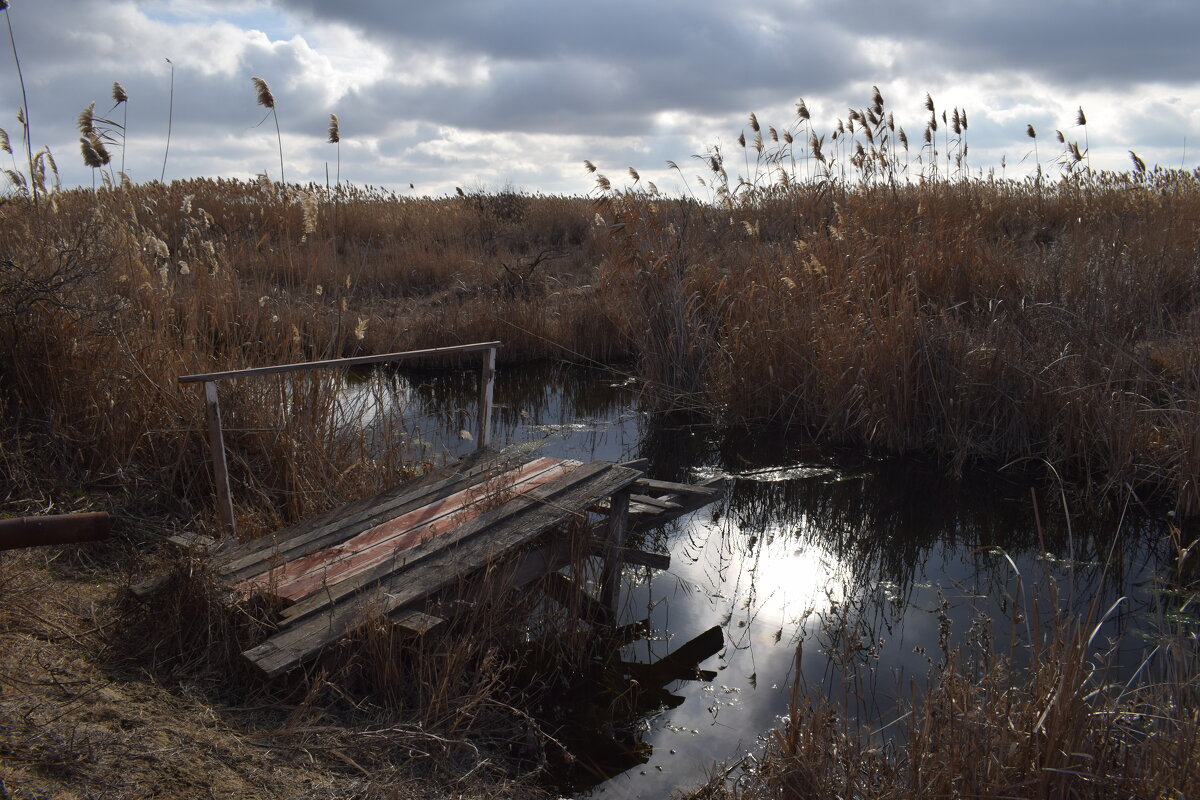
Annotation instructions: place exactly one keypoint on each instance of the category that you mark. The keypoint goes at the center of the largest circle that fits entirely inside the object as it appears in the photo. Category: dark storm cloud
(602, 67)
(809, 46)
(1069, 43)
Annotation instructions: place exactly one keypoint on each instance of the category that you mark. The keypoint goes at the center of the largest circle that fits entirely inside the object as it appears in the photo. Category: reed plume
(267, 101)
(335, 137)
(121, 98)
(1032, 134)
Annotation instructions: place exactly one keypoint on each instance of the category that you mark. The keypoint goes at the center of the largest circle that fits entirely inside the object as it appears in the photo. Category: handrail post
(216, 442)
(487, 384)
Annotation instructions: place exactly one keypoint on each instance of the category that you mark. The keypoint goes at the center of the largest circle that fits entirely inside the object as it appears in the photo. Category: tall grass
(985, 321)
(106, 298)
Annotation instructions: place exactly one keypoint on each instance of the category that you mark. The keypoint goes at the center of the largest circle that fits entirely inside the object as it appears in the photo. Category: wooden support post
(618, 526)
(216, 441)
(487, 384)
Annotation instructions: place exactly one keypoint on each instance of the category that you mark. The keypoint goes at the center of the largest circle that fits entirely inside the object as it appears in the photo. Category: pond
(827, 572)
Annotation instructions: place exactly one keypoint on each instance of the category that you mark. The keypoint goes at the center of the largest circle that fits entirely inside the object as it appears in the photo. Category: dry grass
(981, 320)
(106, 298)
(849, 291)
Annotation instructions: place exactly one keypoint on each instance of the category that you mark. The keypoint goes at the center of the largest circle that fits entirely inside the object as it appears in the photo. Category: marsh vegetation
(845, 292)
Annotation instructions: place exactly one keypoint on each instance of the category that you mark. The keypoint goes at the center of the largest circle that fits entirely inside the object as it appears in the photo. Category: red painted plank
(301, 577)
(351, 563)
(291, 570)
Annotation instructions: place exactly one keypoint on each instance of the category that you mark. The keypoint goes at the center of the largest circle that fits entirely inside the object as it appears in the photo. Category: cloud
(471, 91)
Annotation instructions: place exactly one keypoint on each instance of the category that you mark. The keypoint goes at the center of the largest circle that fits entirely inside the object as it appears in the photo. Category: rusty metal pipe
(55, 529)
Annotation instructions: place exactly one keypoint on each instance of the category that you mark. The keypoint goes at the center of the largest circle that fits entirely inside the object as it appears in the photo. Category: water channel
(804, 539)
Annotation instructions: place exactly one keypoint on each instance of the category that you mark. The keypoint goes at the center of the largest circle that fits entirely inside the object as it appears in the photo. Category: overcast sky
(517, 93)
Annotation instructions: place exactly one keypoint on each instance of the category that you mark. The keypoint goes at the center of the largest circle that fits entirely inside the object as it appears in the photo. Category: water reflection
(886, 549)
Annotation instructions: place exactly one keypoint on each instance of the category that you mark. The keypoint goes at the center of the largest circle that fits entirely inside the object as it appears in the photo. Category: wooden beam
(641, 558)
(54, 529)
(216, 443)
(618, 526)
(338, 362)
(418, 622)
(487, 383)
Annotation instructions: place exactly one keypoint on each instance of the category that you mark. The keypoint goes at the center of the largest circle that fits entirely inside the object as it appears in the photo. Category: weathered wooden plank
(630, 555)
(296, 541)
(304, 638)
(301, 577)
(548, 493)
(339, 362)
(654, 502)
(706, 488)
(460, 470)
(711, 491)
(428, 484)
(638, 510)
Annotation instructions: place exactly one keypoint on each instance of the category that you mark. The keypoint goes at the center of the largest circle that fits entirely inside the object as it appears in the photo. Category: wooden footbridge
(493, 520)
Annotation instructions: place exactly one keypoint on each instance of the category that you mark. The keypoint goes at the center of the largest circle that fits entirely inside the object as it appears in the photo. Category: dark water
(815, 563)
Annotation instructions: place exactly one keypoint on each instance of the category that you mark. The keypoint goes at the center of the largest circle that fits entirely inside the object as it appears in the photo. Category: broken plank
(680, 488)
(713, 491)
(418, 622)
(683, 663)
(304, 638)
(653, 502)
